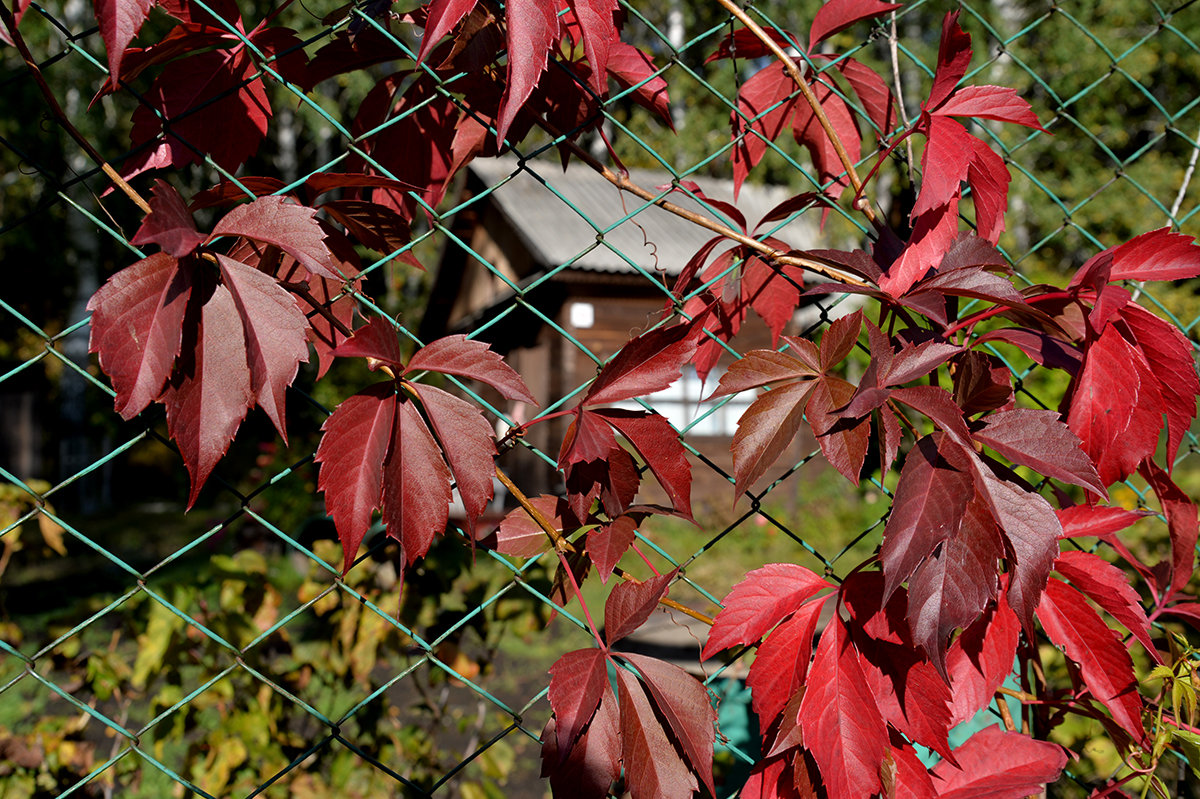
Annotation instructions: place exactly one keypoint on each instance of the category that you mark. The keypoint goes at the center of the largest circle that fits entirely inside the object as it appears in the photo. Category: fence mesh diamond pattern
(219, 652)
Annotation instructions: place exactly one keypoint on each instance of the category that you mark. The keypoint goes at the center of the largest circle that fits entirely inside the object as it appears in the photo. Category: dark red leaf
(766, 429)
(938, 404)
(915, 361)
(577, 682)
(1103, 661)
(873, 93)
(211, 104)
(999, 765)
(18, 9)
(1031, 531)
(684, 703)
(606, 544)
(760, 601)
(781, 663)
(1168, 353)
(981, 659)
(1040, 440)
(981, 382)
(1116, 408)
(760, 368)
(276, 335)
(375, 226)
(290, 227)
(1183, 523)
(954, 585)
(120, 21)
(209, 393)
(169, 224)
(841, 722)
(460, 356)
(137, 328)
(376, 341)
(599, 34)
(357, 436)
(843, 441)
(1108, 587)
(629, 604)
(588, 439)
(653, 768)
(837, 15)
(466, 438)
(416, 485)
(519, 535)
(646, 364)
(659, 447)
(532, 28)
(589, 769)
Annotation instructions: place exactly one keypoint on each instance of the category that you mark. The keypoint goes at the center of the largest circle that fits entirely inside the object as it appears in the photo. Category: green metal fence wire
(148, 652)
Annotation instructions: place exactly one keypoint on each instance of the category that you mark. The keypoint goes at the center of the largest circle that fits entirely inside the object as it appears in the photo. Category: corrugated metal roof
(560, 215)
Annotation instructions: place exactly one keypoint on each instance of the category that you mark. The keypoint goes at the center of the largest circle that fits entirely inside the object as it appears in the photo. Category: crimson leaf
(290, 227)
(1040, 440)
(999, 765)
(577, 682)
(460, 356)
(416, 485)
(169, 223)
(630, 604)
(653, 768)
(761, 600)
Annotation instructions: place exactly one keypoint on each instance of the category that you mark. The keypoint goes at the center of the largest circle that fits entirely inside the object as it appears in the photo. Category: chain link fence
(145, 651)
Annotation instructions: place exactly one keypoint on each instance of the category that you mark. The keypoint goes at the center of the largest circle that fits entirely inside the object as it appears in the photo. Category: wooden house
(557, 270)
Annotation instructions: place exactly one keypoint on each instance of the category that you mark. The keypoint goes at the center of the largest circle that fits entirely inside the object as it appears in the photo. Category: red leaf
(765, 105)
(646, 364)
(120, 21)
(989, 179)
(1182, 523)
(290, 227)
(760, 601)
(588, 439)
(909, 777)
(772, 778)
(1084, 520)
(994, 764)
(954, 55)
(1116, 409)
(659, 447)
(607, 544)
(809, 132)
(981, 659)
(577, 682)
(532, 28)
(443, 16)
(630, 604)
(1104, 663)
(842, 725)
(589, 769)
(981, 382)
(948, 154)
(276, 335)
(1040, 440)
(765, 430)
(1031, 531)
(599, 34)
(954, 585)
(460, 356)
(466, 438)
(376, 341)
(209, 393)
(416, 485)
(684, 703)
(653, 769)
(933, 233)
(137, 328)
(357, 436)
(938, 404)
(169, 224)
(837, 15)
(989, 102)
(1109, 588)
(632, 68)
(1168, 353)
(1157, 255)
(781, 663)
